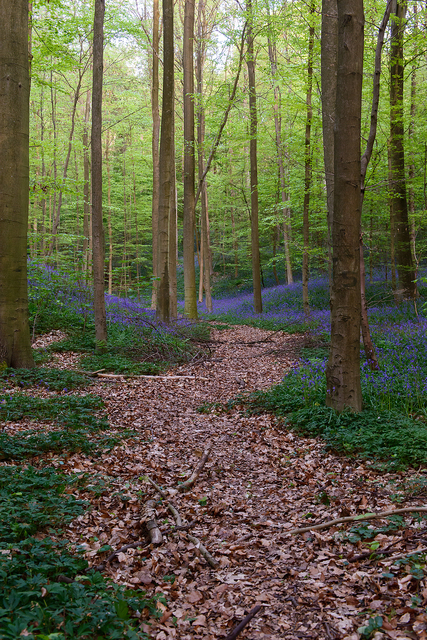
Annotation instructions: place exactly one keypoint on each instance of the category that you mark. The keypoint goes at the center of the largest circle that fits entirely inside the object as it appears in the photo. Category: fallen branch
(366, 516)
(405, 555)
(205, 553)
(192, 479)
(149, 519)
(236, 631)
(133, 545)
(125, 375)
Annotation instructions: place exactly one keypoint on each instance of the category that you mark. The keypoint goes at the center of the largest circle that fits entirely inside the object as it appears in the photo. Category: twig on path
(205, 553)
(365, 516)
(149, 519)
(237, 630)
(125, 375)
(405, 555)
(192, 479)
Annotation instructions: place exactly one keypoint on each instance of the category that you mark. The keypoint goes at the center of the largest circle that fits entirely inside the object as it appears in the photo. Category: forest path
(259, 481)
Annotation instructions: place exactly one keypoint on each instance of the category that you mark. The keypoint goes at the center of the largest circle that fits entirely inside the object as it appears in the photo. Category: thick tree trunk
(98, 248)
(328, 45)
(155, 148)
(405, 265)
(15, 346)
(343, 388)
(256, 265)
(307, 171)
(190, 297)
(165, 163)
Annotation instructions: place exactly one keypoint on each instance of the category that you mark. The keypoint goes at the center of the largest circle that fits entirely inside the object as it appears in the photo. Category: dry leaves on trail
(259, 482)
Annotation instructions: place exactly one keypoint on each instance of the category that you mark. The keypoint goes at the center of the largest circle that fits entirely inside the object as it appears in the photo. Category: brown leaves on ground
(259, 482)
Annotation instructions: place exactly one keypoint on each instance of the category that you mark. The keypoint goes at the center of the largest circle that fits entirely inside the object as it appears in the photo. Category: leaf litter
(259, 482)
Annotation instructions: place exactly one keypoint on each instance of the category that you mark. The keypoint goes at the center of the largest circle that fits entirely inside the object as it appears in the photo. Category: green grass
(51, 379)
(116, 363)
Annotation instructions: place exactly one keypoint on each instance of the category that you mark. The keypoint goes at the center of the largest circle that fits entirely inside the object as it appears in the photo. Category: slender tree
(190, 304)
(155, 146)
(402, 241)
(250, 60)
(343, 388)
(165, 163)
(98, 247)
(15, 346)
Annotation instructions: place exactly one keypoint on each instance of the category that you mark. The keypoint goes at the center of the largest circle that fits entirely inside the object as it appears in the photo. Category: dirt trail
(259, 482)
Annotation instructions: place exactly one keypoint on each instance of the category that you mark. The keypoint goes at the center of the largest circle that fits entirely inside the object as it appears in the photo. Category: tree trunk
(307, 170)
(155, 148)
(110, 228)
(190, 297)
(86, 185)
(343, 368)
(173, 229)
(165, 163)
(328, 45)
(405, 265)
(256, 265)
(411, 203)
(15, 346)
(98, 248)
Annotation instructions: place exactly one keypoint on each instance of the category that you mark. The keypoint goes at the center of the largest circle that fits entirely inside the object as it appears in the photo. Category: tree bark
(343, 388)
(328, 45)
(405, 265)
(98, 248)
(165, 163)
(155, 148)
(86, 185)
(250, 60)
(190, 296)
(15, 346)
(307, 170)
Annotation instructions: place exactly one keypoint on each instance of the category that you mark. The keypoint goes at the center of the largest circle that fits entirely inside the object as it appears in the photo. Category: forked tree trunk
(405, 265)
(190, 304)
(165, 163)
(98, 248)
(343, 388)
(15, 346)
(256, 266)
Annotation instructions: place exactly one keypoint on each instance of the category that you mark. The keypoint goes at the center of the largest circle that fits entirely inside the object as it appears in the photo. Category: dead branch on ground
(236, 631)
(192, 479)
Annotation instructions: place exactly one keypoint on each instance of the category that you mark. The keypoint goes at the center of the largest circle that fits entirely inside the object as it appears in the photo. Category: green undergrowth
(116, 363)
(51, 379)
(78, 425)
(391, 438)
(46, 590)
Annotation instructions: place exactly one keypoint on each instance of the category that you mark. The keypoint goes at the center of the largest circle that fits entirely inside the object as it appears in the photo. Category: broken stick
(149, 519)
(236, 631)
(192, 479)
(365, 516)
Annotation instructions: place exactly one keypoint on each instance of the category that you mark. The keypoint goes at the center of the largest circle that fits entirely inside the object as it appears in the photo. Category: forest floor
(259, 482)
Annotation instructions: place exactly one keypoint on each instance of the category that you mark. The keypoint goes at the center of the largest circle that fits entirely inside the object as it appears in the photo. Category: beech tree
(343, 388)
(15, 345)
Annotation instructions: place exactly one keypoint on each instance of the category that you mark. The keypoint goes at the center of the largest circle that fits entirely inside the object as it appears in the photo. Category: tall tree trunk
(86, 185)
(343, 388)
(256, 265)
(371, 355)
(155, 148)
(173, 237)
(405, 265)
(411, 202)
(272, 54)
(98, 248)
(392, 224)
(307, 170)
(110, 227)
(15, 346)
(165, 163)
(328, 45)
(190, 297)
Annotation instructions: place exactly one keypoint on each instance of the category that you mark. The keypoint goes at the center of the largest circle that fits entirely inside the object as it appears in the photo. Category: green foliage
(31, 499)
(74, 415)
(51, 379)
(33, 595)
(116, 363)
(368, 630)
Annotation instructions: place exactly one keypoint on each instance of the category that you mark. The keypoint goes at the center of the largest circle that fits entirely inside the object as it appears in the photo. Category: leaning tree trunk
(15, 346)
(256, 266)
(405, 265)
(190, 296)
(98, 249)
(343, 388)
